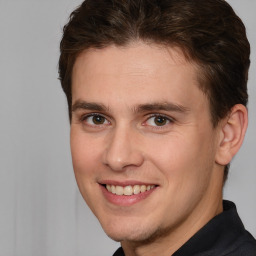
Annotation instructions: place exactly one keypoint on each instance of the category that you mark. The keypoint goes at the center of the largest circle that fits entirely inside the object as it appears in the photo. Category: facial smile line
(128, 190)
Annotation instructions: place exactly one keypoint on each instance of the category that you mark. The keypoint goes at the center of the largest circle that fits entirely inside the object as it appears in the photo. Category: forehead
(136, 73)
(136, 57)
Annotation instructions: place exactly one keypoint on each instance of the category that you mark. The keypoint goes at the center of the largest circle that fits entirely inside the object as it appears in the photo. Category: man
(157, 94)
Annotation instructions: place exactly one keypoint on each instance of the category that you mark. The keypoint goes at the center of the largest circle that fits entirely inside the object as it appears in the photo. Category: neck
(168, 241)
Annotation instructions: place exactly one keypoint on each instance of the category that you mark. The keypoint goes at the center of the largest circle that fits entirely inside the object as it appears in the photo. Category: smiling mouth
(128, 190)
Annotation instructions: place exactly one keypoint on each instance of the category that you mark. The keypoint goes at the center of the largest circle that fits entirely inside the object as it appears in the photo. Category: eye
(158, 120)
(95, 119)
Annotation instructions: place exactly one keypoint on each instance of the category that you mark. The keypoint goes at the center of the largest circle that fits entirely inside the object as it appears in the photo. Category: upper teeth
(128, 190)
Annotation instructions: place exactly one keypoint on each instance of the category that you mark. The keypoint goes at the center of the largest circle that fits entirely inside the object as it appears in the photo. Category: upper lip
(125, 183)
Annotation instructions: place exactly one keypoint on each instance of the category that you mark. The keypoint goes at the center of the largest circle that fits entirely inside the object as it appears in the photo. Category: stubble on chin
(139, 238)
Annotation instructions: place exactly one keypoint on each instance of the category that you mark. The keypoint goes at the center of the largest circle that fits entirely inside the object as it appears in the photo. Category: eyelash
(168, 120)
(87, 116)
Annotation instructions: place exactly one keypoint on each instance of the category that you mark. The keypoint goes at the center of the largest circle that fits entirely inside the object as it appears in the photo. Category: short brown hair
(208, 31)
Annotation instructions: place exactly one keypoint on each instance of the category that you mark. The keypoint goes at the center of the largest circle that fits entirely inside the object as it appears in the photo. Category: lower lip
(126, 200)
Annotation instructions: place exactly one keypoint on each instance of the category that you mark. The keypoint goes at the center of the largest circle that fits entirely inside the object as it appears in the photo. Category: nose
(122, 150)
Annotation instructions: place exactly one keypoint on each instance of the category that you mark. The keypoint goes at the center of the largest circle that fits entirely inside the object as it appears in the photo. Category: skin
(127, 88)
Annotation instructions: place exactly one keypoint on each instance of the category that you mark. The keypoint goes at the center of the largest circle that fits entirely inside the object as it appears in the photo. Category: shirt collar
(215, 238)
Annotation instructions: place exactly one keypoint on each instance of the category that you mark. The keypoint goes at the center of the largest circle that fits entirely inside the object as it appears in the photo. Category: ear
(232, 132)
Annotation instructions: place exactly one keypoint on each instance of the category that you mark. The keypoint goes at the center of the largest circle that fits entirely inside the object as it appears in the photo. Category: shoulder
(241, 242)
(244, 246)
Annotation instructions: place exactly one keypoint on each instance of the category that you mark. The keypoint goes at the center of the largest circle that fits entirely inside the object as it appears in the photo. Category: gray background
(41, 210)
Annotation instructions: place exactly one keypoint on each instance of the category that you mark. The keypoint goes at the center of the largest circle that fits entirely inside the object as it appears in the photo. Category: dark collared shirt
(224, 235)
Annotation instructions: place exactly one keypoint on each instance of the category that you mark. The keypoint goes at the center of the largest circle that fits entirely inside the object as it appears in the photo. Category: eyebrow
(165, 106)
(88, 105)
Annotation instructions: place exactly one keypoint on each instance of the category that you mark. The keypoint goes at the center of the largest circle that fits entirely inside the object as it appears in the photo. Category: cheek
(85, 159)
(183, 160)
(85, 153)
(171, 152)
(186, 166)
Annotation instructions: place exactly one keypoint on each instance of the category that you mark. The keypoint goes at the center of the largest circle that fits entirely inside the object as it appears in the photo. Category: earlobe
(232, 132)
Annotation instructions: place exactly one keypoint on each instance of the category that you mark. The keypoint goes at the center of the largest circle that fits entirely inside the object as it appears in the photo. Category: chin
(129, 232)
(125, 236)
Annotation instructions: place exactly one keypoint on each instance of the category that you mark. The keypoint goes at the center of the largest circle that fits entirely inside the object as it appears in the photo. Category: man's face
(142, 141)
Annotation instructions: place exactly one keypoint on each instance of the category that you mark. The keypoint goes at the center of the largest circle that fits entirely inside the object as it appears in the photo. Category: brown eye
(94, 120)
(98, 120)
(160, 120)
